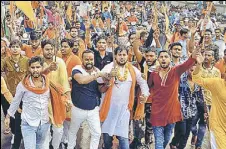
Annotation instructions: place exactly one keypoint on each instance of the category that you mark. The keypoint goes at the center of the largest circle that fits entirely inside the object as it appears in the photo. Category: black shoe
(51, 147)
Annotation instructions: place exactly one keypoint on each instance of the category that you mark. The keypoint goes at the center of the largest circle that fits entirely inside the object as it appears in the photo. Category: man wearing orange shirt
(133, 17)
(50, 32)
(74, 35)
(34, 49)
(71, 61)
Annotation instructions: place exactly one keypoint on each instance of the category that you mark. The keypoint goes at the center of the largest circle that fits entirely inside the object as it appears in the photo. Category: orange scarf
(26, 83)
(107, 100)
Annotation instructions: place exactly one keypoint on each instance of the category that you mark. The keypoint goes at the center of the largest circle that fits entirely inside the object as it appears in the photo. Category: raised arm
(138, 54)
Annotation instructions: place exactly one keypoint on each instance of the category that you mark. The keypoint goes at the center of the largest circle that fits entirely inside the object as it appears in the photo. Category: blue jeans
(123, 142)
(34, 137)
(162, 135)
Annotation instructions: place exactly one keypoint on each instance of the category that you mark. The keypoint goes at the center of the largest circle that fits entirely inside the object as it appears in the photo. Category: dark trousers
(5, 106)
(199, 132)
(148, 128)
(181, 133)
(18, 134)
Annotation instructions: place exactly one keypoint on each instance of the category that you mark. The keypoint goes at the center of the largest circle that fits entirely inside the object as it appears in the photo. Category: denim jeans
(200, 132)
(162, 135)
(34, 137)
(181, 133)
(123, 142)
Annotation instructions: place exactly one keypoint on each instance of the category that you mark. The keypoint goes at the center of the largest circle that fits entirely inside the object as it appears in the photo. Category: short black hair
(69, 41)
(51, 23)
(218, 29)
(87, 51)
(36, 59)
(14, 42)
(150, 49)
(120, 49)
(174, 44)
(208, 30)
(101, 37)
(142, 34)
(163, 51)
(73, 27)
(34, 36)
(183, 31)
(45, 42)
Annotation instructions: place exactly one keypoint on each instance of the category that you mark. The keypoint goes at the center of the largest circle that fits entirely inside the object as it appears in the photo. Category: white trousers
(56, 139)
(65, 134)
(78, 116)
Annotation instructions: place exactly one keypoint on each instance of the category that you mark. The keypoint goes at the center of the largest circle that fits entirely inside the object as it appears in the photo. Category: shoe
(12, 140)
(193, 140)
(198, 148)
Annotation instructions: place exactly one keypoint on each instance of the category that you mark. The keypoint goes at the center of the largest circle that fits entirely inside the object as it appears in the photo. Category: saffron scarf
(26, 83)
(139, 113)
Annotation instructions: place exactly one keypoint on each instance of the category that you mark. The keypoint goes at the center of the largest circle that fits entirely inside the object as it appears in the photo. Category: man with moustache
(86, 100)
(117, 102)
(176, 53)
(165, 104)
(101, 56)
(74, 35)
(56, 71)
(33, 90)
(148, 64)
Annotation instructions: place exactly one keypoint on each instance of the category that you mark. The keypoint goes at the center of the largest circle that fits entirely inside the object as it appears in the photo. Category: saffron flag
(27, 9)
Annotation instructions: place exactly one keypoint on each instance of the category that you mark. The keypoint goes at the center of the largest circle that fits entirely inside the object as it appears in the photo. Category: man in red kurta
(166, 110)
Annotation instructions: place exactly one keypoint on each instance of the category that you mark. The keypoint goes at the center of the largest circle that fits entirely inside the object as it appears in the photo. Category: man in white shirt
(33, 90)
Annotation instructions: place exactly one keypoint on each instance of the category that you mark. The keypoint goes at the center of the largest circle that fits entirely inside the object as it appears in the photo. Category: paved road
(5, 139)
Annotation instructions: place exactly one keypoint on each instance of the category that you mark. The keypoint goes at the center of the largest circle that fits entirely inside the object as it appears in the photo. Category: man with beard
(74, 35)
(208, 71)
(33, 90)
(116, 107)
(101, 56)
(147, 64)
(86, 100)
(56, 71)
(165, 103)
(34, 49)
(217, 118)
(176, 52)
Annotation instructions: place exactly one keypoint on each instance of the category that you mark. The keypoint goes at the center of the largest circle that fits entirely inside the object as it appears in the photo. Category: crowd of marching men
(108, 74)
